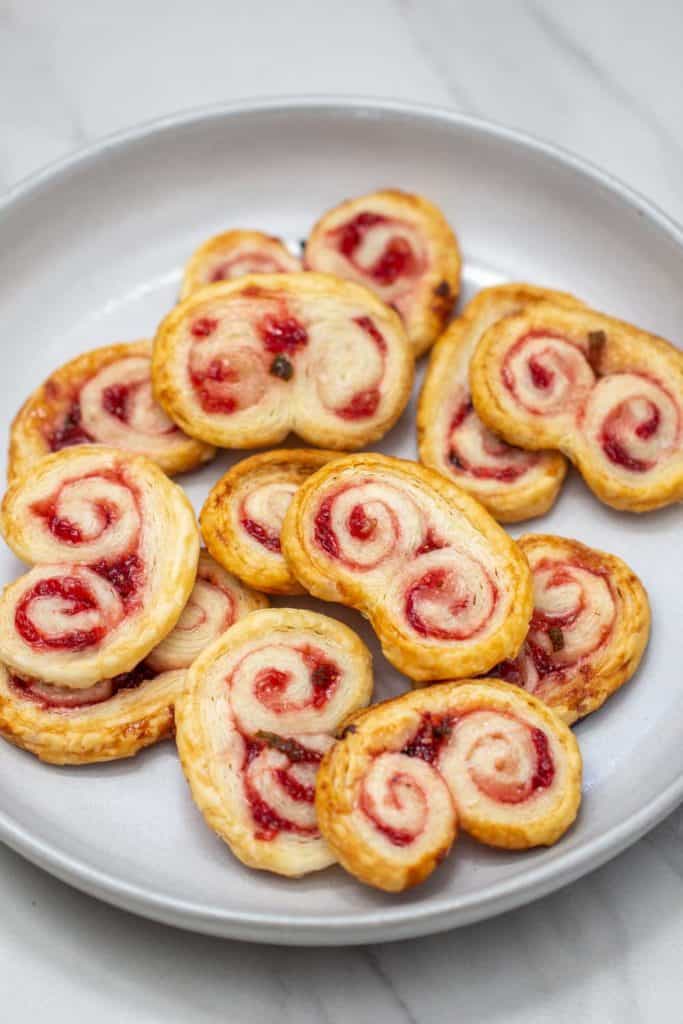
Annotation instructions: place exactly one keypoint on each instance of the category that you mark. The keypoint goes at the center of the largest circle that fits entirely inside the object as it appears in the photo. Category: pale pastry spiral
(114, 545)
(399, 245)
(117, 717)
(260, 710)
(511, 483)
(102, 397)
(589, 627)
(474, 754)
(442, 584)
(242, 363)
(233, 254)
(217, 601)
(242, 517)
(607, 394)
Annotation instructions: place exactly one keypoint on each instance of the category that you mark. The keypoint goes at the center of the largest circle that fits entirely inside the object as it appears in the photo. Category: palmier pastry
(402, 247)
(475, 754)
(241, 364)
(607, 394)
(102, 397)
(589, 628)
(243, 514)
(259, 711)
(234, 254)
(443, 585)
(512, 484)
(117, 717)
(114, 544)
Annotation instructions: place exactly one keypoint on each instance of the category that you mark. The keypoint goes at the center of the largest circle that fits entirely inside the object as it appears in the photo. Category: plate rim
(386, 923)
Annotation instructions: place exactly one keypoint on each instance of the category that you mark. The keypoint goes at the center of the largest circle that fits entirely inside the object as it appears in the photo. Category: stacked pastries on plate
(124, 631)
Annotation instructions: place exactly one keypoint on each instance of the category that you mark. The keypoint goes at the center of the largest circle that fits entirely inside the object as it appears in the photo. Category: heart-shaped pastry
(102, 397)
(606, 394)
(402, 247)
(260, 709)
(443, 585)
(477, 755)
(243, 363)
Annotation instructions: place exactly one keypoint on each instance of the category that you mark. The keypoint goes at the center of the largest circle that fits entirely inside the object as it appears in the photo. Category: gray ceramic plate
(92, 251)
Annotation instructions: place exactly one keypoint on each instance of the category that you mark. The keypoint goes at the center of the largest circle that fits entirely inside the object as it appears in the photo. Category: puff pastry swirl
(243, 363)
(117, 717)
(512, 484)
(234, 254)
(259, 711)
(402, 247)
(242, 517)
(605, 393)
(102, 397)
(590, 626)
(443, 585)
(483, 756)
(114, 544)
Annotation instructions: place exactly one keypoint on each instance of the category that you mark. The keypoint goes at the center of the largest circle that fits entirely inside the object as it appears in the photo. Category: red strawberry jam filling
(282, 334)
(397, 259)
(58, 698)
(229, 380)
(440, 606)
(70, 533)
(116, 398)
(361, 406)
(203, 327)
(324, 675)
(431, 542)
(558, 374)
(369, 326)
(365, 403)
(324, 531)
(545, 769)
(77, 598)
(499, 764)
(261, 533)
(212, 398)
(621, 422)
(427, 742)
(271, 684)
(361, 526)
(69, 432)
(268, 820)
(246, 262)
(397, 836)
(436, 730)
(509, 463)
(126, 574)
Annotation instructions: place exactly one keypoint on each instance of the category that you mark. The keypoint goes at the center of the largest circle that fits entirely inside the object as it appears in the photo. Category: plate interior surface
(92, 253)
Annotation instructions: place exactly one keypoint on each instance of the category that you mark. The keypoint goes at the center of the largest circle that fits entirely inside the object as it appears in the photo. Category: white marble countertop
(603, 79)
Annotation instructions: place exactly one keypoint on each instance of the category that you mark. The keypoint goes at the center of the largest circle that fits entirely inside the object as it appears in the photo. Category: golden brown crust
(242, 363)
(427, 303)
(117, 718)
(50, 405)
(605, 393)
(256, 492)
(236, 253)
(417, 556)
(512, 768)
(115, 546)
(589, 630)
(236, 741)
(116, 728)
(511, 484)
